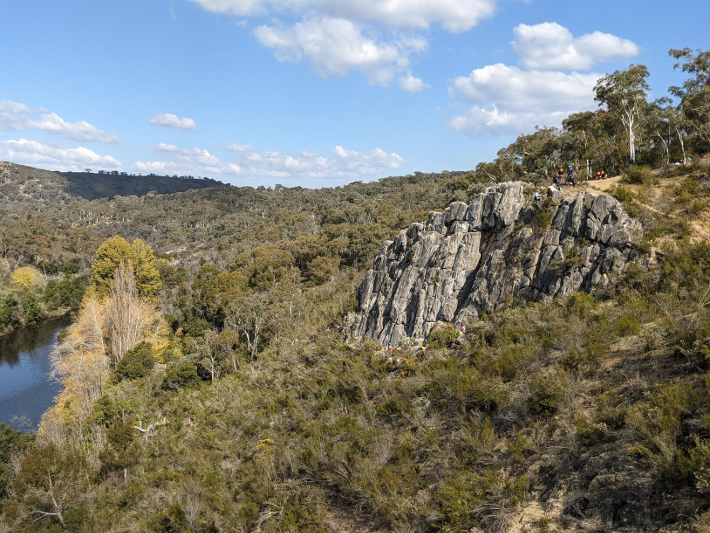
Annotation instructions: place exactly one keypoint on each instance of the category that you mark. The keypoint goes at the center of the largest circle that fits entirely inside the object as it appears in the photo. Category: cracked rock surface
(470, 259)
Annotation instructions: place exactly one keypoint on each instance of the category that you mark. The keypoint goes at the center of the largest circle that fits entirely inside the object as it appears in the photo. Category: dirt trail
(700, 228)
(603, 185)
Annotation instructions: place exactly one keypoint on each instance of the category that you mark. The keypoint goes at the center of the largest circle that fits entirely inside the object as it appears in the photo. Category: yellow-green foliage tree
(117, 249)
(82, 364)
(131, 319)
(145, 269)
(26, 277)
(104, 330)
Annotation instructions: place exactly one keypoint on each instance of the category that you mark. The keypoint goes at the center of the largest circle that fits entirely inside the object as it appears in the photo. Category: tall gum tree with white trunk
(624, 94)
(694, 94)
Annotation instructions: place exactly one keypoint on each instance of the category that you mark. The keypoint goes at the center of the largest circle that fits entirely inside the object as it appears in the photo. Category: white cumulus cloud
(169, 120)
(452, 15)
(504, 99)
(186, 161)
(249, 164)
(412, 84)
(170, 168)
(507, 99)
(519, 89)
(17, 116)
(14, 115)
(374, 37)
(194, 155)
(242, 8)
(341, 164)
(335, 46)
(236, 147)
(78, 131)
(550, 46)
(44, 155)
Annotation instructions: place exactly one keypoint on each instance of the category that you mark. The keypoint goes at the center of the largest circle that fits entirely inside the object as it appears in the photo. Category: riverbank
(52, 315)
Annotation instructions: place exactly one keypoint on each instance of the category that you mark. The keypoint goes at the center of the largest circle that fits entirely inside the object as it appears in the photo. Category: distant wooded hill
(21, 184)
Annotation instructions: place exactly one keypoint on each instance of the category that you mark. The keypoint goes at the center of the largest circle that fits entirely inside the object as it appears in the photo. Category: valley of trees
(207, 386)
(27, 186)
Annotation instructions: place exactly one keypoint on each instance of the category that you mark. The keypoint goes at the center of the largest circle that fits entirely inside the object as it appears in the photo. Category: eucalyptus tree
(581, 126)
(659, 123)
(624, 94)
(534, 157)
(694, 94)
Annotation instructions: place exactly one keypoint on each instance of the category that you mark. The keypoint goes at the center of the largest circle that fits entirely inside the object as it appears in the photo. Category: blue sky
(311, 92)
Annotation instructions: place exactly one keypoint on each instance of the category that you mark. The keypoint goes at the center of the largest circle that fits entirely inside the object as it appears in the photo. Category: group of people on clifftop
(570, 177)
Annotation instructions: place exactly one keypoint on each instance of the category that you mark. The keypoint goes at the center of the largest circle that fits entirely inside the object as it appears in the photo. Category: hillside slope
(590, 412)
(22, 185)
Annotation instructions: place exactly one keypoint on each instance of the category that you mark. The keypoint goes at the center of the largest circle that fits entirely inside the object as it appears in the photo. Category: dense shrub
(31, 308)
(7, 310)
(66, 293)
(123, 450)
(323, 269)
(639, 175)
(443, 336)
(11, 442)
(182, 375)
(660, 424)
(136, 363)
(547, 394)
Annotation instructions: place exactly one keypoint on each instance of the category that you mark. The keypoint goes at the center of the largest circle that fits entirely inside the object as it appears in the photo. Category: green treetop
(624, 95)
(109, 256)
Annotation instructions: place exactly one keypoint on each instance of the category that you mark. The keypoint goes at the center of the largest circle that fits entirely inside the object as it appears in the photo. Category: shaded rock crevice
(470, 259)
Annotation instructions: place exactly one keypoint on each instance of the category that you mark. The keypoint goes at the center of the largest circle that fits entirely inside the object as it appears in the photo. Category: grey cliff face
(472, 258)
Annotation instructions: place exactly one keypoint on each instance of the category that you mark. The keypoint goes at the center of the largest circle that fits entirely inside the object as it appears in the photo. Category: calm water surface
(26, 389)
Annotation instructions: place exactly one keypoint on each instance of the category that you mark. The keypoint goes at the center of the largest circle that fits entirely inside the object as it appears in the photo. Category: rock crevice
(470, 259)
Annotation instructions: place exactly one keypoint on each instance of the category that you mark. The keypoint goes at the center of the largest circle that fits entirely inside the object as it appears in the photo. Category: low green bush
(31, 308)
(639, 175)
(136, 363)
(182, 375)
(546, 394)
(66, 293)
(543, 220)
(443, 337)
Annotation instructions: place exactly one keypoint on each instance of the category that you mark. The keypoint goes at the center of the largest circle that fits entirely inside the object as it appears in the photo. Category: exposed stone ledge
(472, 258)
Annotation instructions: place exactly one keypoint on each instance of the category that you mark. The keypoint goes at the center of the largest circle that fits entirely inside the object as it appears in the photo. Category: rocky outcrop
(471, 259)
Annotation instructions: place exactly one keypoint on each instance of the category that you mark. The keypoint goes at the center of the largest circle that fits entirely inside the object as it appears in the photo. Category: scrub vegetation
(207, 386)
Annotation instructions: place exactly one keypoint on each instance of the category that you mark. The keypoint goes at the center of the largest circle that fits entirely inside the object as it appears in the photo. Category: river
(26, 389)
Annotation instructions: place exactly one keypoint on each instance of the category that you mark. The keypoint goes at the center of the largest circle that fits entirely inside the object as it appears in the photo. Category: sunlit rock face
(471, 259)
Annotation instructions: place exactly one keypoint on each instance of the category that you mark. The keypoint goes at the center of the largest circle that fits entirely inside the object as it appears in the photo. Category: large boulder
(471, 259)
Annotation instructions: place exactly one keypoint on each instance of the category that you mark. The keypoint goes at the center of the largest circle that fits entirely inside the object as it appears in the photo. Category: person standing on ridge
(570, 175)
